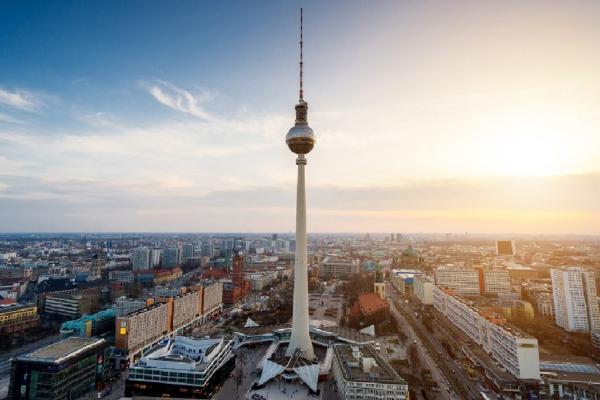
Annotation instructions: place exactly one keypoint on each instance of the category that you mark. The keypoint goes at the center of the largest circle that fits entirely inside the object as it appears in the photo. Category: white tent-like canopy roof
(309, 374)
(369, 330)
(250, 323)
(270, 371)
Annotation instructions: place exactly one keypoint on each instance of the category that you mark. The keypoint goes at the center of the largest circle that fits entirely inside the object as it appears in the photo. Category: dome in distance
(410, 252)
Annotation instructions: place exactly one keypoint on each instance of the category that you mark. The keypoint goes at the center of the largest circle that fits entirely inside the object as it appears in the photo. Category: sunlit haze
(430, 116)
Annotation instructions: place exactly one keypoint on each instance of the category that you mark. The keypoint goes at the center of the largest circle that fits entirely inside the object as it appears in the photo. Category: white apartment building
(496, 281)
(464, 282)
(512, 349)
(423, 287)
(361, 373)
(575, 299)
(544, 303)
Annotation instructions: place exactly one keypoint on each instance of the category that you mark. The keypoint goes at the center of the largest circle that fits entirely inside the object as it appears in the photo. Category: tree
(413, 357)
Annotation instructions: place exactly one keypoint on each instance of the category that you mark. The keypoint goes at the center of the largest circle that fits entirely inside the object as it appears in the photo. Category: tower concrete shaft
(300, 338)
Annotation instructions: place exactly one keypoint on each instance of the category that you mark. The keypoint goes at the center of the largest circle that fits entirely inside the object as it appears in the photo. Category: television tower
(301, 139)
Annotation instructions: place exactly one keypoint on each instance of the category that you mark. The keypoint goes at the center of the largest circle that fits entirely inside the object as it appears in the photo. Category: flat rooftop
(60, 351)
(380, 372)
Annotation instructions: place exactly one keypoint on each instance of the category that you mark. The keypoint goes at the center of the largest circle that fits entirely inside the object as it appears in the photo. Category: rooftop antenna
(301, 62)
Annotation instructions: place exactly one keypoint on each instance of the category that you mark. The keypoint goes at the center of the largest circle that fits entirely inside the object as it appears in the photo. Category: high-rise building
(187, 251)
(575, 299)
(505, 247)
(171, 257)
(155, 258)
(140, 259)
(207, 250)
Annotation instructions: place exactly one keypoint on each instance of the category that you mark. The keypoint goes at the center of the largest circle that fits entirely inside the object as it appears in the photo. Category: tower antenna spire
(301, 59)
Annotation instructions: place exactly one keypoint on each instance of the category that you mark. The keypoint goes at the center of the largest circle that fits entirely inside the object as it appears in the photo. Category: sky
(436, 116)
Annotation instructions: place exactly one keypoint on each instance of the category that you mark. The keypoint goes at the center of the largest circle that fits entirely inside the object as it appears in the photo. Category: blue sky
(171, 116)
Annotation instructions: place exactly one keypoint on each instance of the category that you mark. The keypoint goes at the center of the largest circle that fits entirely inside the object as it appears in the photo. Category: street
(452, 378)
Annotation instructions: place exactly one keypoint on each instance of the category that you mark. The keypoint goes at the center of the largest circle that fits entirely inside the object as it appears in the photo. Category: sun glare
(527, 145)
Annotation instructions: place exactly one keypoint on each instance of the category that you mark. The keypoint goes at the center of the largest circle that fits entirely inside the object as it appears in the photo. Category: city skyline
(431, 118)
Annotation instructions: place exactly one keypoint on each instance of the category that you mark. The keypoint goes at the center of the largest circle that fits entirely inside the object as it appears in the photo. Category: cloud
(172, 202)
(21, 99)
(180, 99)
(7, 119)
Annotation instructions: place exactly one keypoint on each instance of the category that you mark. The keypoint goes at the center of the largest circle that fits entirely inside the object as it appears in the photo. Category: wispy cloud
(180, 99)
(21, 99)
(7, 119)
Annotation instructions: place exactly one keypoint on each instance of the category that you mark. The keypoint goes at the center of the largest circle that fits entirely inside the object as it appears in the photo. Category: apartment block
(575, 299)
(510, 347)
(213, 296)
(185, 308)
(496, 281)
(142, 328)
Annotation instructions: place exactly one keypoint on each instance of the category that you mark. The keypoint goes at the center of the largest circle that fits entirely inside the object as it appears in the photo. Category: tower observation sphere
(301, 138)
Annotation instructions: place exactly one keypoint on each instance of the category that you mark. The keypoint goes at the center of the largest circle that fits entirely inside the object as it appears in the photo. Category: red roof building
(369, 309)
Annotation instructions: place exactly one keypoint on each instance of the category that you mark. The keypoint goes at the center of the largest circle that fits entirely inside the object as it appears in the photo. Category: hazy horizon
(430, 117)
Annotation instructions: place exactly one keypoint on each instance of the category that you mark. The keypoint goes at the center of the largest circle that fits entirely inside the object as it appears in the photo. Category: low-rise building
(70, 304)
(121, 276)
(17, 318)
(369, 309)
(423, 288)
(464, 282)
(64, 370)
(336, 268)
(180, 367)
(98, 324)
(259, 280)
(361, 373)
(403, 280)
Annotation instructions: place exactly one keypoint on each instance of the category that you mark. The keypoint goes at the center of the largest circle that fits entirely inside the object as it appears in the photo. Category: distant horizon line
(500, 235)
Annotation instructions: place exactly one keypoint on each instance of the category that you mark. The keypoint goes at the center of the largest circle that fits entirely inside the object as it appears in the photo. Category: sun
(527, 146)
